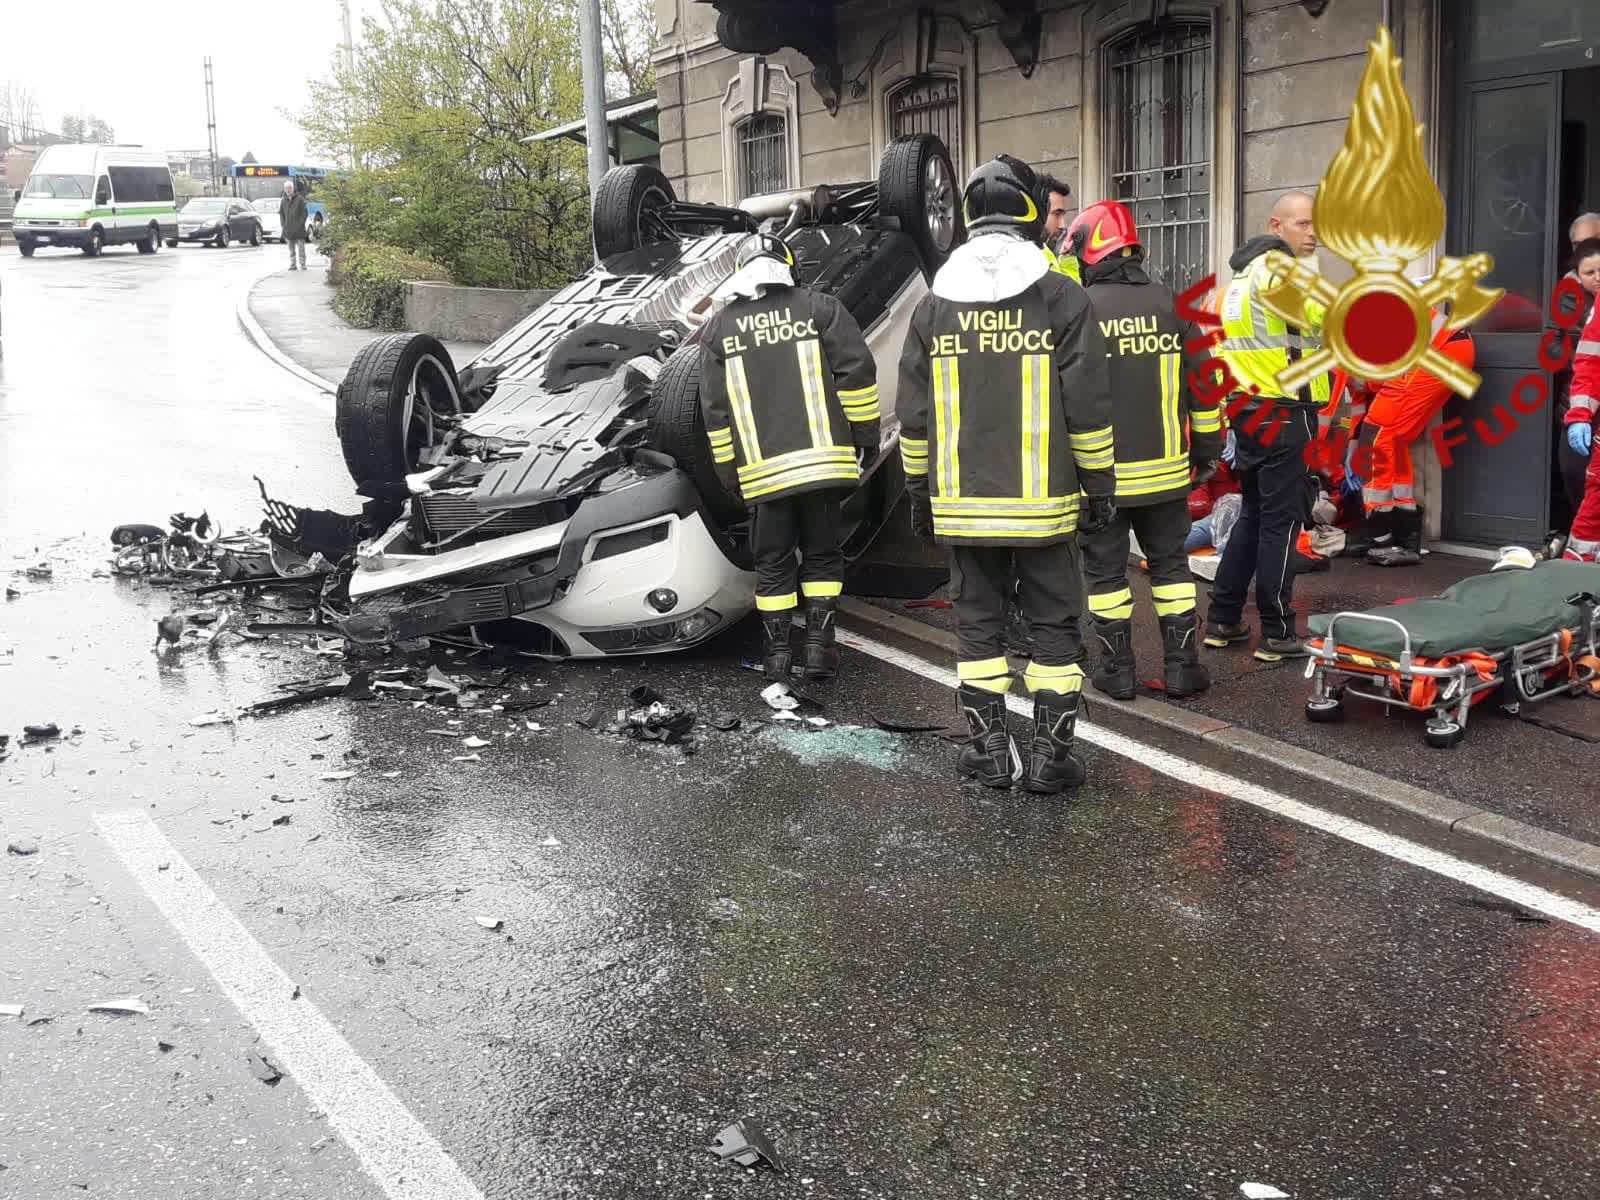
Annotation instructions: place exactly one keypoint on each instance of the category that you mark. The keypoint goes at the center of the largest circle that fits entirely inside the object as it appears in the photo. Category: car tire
(223, 236)
(151, 242)
(622, 208)
(917, 186)
(677, 428)
(381, 431)
(95, 244)
(172, 243)
(255, 235)
(25, 248)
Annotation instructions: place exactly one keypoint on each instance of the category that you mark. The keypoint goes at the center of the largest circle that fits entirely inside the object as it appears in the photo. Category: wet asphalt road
(920, 989)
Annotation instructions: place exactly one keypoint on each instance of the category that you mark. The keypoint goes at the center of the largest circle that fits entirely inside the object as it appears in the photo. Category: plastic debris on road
(40, 733)
(126, 1007)
(212, 718)
(10, 1010)
(1262, 1191)
(263, 1068)
(747, 1144)
(336, 776)
(473, 757)
(40, 571)
(780, 697)
(22, 847)
(474, 743)
(494, 924)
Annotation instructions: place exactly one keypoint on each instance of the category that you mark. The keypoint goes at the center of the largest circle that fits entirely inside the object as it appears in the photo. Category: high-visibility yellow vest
(1062, 264)
(1257, 344)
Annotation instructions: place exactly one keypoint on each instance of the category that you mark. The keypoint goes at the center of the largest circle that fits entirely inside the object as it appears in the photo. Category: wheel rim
(653, 201)
(939, 202)
(432, 385)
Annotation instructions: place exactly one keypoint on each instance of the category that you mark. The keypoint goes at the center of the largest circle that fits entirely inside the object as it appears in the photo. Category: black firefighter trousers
(809, 523)
(1161, 529)
(1278, 492)
(1049, 586)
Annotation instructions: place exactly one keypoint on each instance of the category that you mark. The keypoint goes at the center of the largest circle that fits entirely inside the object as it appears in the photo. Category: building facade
(1196, 113)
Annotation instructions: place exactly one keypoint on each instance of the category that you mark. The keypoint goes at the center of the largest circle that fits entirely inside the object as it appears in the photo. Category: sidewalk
(294, 310)
(1509, 770)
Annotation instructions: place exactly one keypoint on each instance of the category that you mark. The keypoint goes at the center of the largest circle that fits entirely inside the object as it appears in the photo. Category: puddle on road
(816, 747)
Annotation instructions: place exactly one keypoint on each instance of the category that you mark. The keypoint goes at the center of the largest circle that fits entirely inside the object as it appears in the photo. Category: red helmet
(1101, 230)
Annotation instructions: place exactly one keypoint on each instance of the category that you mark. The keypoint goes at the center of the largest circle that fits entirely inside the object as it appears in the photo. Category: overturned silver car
(558, 492)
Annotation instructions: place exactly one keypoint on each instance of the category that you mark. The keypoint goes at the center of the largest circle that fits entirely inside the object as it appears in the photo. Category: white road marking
(402, 1157)
(1233, 788)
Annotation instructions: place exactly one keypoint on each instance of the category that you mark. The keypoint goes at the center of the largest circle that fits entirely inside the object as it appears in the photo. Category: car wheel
(398, 398)
(628, 207)
(917, 185)
(222, 236)
(25, 248)
(151, 242)
(172, 243)
(97, 243)
(255, 235)
(676, 427)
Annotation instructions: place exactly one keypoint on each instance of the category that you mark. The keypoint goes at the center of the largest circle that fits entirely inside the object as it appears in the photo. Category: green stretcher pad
(1487, 612)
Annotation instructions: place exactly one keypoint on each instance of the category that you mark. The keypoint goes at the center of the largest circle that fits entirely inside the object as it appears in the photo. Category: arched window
(763, 141)
(928, 104)
(1158, 139)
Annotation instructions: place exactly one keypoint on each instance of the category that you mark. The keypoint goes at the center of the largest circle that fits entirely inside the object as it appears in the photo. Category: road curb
(1454, 815)
(264, 343)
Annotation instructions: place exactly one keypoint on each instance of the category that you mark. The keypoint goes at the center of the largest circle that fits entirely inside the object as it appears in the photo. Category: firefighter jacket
(1257, 344)
(1005, 415)
(789, 391)
(1160, 425)
(1063, 264)
(1583, 399)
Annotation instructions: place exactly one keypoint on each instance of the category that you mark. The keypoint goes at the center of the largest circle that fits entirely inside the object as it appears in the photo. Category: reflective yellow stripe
(777, 603)
(1065, 679)
(1112, 606)
(1095, 450)
(1171, 441)
(832, 457)
(859, 395)
(1035, 426)
(988, 674)
(721, 444)
(1152, 475)
(914, 455)
(1004, 505)
(819, 590)
(1206, 420)
(947, 413)
(1000, 527)
(739, 401)
(798, 478)
(870, 413)
(810, 355)
(1173, 598)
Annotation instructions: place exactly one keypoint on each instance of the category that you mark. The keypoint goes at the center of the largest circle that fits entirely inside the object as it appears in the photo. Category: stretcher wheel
(1442, 735)
(1327, 708)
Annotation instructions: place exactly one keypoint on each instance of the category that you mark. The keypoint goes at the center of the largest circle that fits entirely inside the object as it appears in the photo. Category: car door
(238, 226)
(105, 208)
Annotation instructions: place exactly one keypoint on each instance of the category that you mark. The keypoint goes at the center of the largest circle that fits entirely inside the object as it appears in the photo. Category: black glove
(922, 518)
(1203, 471)
(1099, 513)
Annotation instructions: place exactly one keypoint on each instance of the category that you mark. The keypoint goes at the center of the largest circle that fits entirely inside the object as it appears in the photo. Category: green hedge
(369, 282)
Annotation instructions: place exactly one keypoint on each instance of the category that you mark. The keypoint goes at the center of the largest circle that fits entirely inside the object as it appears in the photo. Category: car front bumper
(52, 235)
(636, 571)
(197, 235)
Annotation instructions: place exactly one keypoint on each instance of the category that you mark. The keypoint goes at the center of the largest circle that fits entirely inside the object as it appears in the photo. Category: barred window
(1159, 138)
(931, 104)
(763, 142)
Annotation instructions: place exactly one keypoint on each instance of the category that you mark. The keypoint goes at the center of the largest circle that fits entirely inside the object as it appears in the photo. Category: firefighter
(1005, 419)
(1056, 202)
(1163, 433)
(1272, 431)
(1583, 410)
(789, 391)
(1399, 413)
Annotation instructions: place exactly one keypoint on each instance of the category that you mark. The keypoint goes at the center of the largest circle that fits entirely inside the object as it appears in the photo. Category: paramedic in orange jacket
(1400, 411)
(1583, 411)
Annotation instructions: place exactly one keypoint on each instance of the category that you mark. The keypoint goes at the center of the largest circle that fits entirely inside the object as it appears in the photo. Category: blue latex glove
(1230, 448)
(1580, 438)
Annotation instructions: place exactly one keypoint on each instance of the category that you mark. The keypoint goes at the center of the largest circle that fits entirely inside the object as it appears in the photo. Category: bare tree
(19, 109)
(630, 37)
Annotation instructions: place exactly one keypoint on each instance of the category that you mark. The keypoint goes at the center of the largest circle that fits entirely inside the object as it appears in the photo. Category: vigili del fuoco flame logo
(1378, 208)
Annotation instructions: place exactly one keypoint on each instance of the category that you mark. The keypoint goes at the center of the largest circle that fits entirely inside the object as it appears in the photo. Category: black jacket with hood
(1160, 424)
(1005, 412)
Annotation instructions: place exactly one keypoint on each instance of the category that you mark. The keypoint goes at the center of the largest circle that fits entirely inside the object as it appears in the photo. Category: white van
(94, 196)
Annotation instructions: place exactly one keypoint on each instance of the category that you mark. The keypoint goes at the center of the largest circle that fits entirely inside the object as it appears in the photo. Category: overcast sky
(147, 79)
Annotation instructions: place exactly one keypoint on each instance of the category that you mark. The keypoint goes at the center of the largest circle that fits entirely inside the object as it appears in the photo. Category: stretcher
(1531, 634)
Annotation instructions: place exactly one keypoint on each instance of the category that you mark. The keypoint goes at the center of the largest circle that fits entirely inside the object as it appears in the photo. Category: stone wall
(467, 314)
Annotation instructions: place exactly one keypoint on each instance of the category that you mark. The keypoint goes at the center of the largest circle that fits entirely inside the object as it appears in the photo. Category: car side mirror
(16, 196)
(102, 197)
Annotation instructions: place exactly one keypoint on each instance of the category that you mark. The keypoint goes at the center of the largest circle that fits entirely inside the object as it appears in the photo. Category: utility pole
(348, 46)
(594, 91)
(211, 127)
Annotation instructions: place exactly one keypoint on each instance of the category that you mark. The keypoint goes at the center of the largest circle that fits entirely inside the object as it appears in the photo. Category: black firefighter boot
(1115, 676)
(1406, 548)
(1052, 766)
(1186, 675)
(821, 655)
(776, 655)
(989, 756)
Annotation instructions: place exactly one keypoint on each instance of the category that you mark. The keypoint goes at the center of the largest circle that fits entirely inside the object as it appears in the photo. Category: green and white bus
(90, 197)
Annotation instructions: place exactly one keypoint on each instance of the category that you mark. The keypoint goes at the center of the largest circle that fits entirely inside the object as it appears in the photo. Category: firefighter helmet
(1100, 231)
(1001, 194)
(764, 245)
